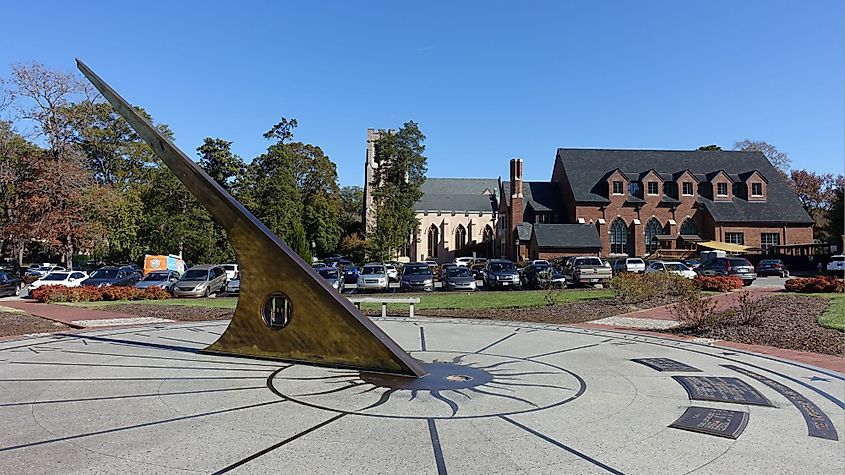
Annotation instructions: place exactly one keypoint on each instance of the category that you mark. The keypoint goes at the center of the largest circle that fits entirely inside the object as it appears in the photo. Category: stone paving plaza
(501, 398)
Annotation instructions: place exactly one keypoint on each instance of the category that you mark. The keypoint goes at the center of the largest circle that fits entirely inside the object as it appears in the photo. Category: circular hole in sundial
(276, 311)
(457, 385)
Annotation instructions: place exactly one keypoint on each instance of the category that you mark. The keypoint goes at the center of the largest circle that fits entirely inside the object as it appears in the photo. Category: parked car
(63, 278)
(340, 264)
(164, 279)
(200, 281)
(42, 270)
(478, 270)
(836, 265)
(234, 285)
(392, 272)
(678, 268)
(318, 264)
(501, 273)
(479, 261)
(373, 277)
(445, 267)
(630, 264)
(350, 274)
(729, 266)
(539, 275)
(113, 275)
(332, 276)
(464, 261)
(232, 270)
(692, 263)
(417, 276)
(580, 270)
(772, 267)
(459, 278)
(9, 284)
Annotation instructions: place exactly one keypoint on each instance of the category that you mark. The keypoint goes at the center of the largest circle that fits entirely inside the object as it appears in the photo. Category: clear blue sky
(485, 80)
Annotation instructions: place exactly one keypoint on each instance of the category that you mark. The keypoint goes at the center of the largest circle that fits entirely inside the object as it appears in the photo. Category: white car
(836, 264)
(392, 272)
(464, 261)
(233, 286)
(231, 271)
(373, 277)
(674, 267)
(44, 270)
(65, 279)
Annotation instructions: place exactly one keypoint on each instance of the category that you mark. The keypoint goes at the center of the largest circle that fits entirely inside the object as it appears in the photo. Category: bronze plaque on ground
(818, 423)
(666, 364)
(707, 420)
(733, 390)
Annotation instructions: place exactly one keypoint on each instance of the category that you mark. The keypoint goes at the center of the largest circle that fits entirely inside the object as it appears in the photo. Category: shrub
(815, 285)
(51, 293)
(749, 309)
(695, 311)
(59, 293)
(718, 283)
(154, 293)
(120, 293)
(635, 288)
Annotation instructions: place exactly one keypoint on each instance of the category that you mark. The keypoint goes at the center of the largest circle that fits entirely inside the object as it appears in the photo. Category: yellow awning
(723, 246)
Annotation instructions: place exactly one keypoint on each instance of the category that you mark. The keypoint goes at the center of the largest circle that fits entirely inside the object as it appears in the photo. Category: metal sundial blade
(285, 311)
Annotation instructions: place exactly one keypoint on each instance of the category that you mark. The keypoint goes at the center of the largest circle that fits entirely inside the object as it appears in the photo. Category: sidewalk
(79, 317)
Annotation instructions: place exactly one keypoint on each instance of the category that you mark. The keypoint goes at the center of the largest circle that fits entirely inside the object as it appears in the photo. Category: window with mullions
(756, 189)
(652, 229)
(653, 189)
(721, 189)
(618, 188)
(634, 189)
(433, 241)
(618, 237)
(768, 240)
(460, 237)
(735, 238)
(687, 188)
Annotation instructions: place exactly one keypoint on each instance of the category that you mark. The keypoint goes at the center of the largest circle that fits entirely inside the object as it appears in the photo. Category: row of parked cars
(198, 281)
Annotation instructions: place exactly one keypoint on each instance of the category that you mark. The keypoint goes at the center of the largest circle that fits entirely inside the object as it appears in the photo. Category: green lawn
(436, 300)
(834, 316)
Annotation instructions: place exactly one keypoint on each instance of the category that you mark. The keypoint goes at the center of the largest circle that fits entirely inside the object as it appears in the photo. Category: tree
(217, 159)
(399, 178)
(13, 170)
(710, 148)
(316, 178)
(351, 210)
(780, 160)
(835, 227)
(814, 190)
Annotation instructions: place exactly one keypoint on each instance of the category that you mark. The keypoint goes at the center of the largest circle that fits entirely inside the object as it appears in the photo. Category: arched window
(460, 237)
(488, 234)
(433, 241)
(618, 237)
(652, 229)
(688, 228)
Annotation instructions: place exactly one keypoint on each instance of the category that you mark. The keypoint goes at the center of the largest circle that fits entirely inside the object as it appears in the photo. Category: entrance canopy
(724, 246)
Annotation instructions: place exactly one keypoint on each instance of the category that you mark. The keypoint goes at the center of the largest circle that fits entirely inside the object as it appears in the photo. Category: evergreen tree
(399, 178)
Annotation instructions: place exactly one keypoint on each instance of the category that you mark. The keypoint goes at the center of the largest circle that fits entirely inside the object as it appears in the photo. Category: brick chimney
(516, 208)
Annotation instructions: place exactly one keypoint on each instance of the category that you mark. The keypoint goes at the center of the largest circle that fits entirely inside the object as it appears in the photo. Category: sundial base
(498, 397)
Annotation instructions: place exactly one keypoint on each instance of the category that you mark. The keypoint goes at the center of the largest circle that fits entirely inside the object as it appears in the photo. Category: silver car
(201, 281)
(160, 278)
(373, 277)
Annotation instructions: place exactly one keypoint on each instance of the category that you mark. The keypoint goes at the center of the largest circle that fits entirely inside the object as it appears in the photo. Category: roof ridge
(653, 150)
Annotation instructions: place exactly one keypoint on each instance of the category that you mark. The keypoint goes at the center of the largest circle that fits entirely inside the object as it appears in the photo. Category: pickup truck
(582, 270)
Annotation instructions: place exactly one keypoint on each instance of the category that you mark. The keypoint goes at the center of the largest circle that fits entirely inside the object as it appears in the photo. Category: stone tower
(370, 165)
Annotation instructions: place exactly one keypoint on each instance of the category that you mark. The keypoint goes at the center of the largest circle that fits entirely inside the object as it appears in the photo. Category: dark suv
(729, 266)
(501, 273)
(113, 275)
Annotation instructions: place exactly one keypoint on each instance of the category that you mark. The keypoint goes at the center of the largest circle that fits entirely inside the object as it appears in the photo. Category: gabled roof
(745, 176)
(569, 236)
(585, 168)
(459, 195)
(710, 176)
(523, 231)
(541, 195)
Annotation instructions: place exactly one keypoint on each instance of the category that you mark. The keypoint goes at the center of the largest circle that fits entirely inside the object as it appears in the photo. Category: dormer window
(634, 189)
(653, 189)
(618, 188)
(687, 188)
(721, 189)
(757, 189)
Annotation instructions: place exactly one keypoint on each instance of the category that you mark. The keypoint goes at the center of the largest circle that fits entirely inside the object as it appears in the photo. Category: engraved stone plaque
(707, 420)
(733, 390)
(666, 364)
(818, 423)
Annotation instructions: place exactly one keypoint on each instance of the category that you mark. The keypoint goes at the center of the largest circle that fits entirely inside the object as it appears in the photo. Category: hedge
(718, 283)
(815, 285)
(60, 293)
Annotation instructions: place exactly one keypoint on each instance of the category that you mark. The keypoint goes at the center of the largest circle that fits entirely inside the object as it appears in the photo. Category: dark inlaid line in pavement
(170, 338)
(495, 342)
(280, 444)
(438, 450)
(562, 446)
(422, 339)
(128, 396)
(186, 378)
(562, 351)
(107, 365)
(170, 358)
(135, 426)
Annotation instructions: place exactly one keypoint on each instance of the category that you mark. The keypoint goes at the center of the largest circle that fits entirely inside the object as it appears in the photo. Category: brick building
(639, 201)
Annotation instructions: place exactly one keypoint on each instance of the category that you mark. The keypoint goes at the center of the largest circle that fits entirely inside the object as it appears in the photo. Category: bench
(357, 301)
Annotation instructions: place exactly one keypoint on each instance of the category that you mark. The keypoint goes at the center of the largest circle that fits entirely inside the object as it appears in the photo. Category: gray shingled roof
(457, 194)
(541, 195)
(523, 230)
(567, 236)
(585, 169)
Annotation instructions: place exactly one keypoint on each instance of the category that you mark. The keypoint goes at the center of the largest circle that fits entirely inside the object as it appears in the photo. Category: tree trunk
(69, 255)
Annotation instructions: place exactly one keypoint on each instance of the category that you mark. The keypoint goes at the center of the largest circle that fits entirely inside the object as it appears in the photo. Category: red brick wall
(553, 254)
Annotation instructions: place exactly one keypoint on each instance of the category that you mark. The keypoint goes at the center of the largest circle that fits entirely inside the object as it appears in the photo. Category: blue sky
(485, 80)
